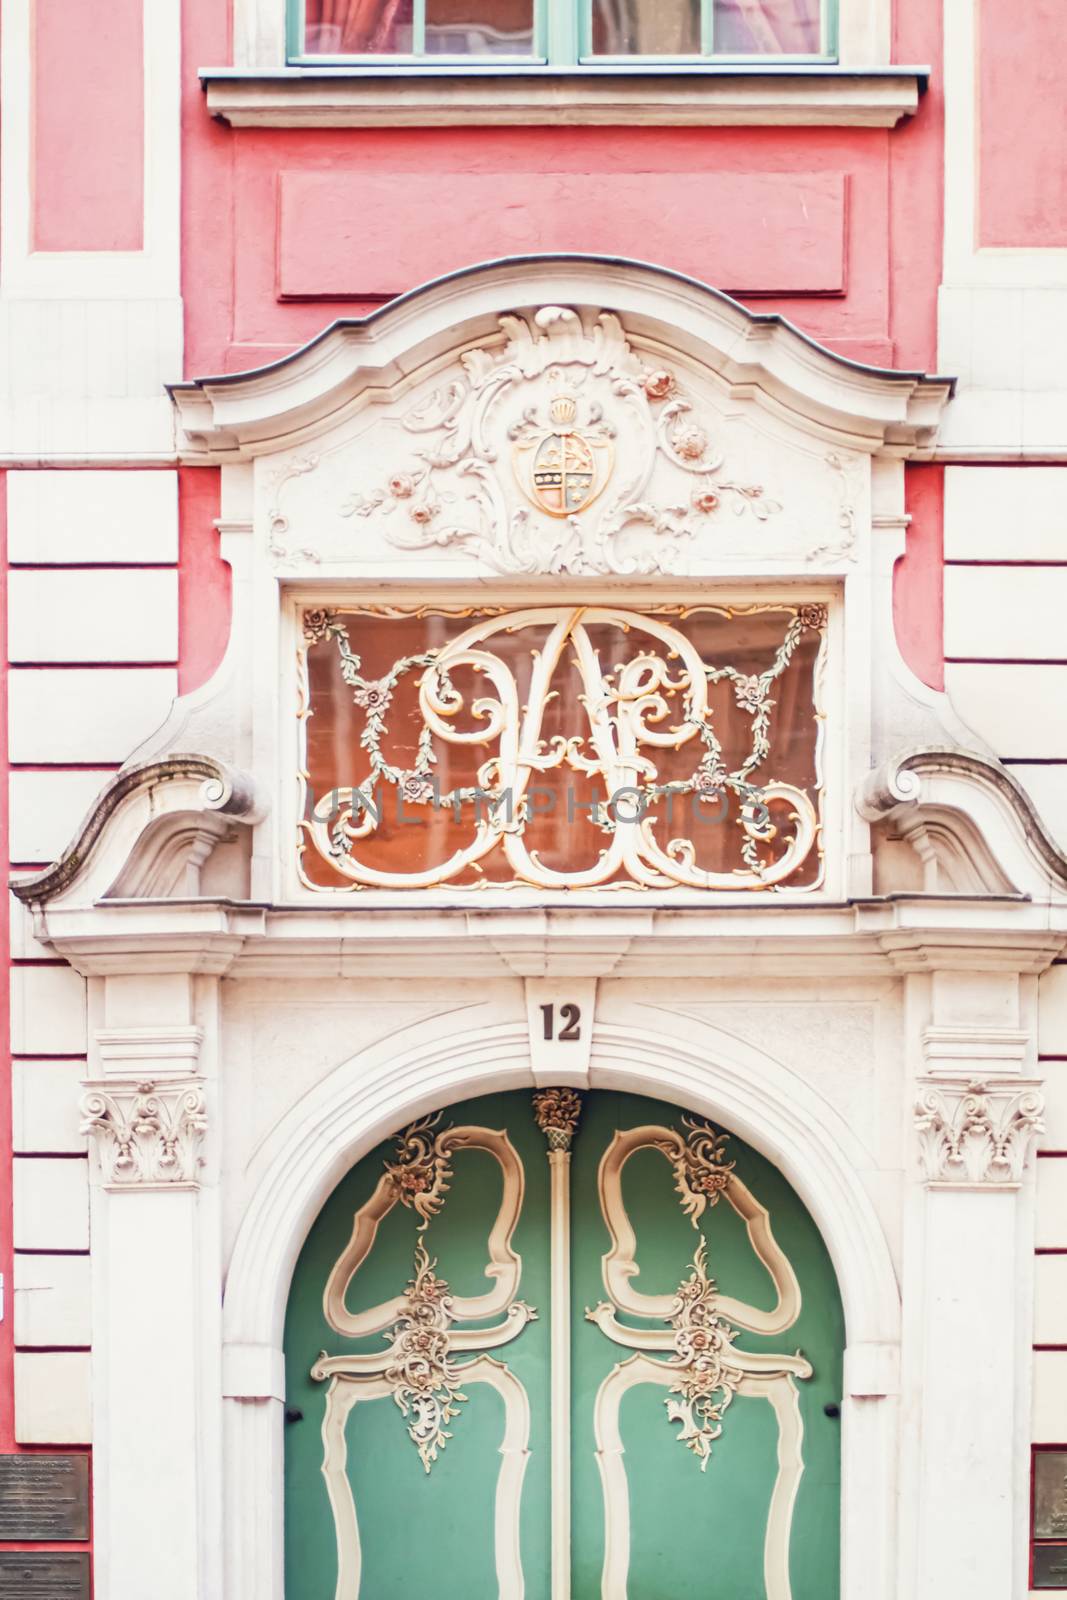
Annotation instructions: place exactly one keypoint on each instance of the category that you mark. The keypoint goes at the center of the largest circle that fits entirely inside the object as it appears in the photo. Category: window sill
(724, 96)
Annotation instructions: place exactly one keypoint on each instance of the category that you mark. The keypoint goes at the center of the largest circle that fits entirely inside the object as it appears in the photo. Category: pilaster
(150, 1114)
(975, 1111)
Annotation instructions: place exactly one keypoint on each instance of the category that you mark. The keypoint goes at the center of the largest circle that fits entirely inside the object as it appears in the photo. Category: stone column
(156, 1291)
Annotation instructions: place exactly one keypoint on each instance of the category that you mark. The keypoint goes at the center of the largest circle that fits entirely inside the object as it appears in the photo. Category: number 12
(571, 1016)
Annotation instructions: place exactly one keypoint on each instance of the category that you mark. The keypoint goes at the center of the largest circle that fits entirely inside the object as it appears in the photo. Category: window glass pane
(767, 27)
(646, 27)
(359, 27)
(453, 27)
(479, 27)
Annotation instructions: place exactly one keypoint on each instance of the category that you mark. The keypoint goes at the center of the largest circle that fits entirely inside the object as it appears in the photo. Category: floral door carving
(448, 1432)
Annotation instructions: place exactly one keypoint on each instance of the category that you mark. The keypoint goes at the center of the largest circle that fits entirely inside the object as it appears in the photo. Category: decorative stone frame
(980, 909)
(369, 1097)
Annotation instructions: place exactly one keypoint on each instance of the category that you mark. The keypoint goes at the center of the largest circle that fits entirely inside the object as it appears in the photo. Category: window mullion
(418, 28)
(707, 27)
(563, 30)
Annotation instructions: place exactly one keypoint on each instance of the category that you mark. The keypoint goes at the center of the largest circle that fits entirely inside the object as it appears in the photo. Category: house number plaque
(43, 1575)
(44, 1498)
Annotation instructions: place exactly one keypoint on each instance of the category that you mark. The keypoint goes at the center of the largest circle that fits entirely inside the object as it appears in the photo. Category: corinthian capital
(977, 1133)
(147, 1135)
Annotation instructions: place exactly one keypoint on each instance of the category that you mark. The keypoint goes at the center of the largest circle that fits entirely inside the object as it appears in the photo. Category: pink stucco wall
(88, 120)
(284, 229)
(1022, 141)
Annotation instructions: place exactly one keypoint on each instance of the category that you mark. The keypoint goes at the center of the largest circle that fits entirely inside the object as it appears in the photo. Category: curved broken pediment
(151, 830)
(973, 827)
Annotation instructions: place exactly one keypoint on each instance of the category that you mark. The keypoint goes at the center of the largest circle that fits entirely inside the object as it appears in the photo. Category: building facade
(537, 777)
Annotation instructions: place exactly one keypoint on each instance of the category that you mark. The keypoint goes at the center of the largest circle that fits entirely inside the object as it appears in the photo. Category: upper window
(560, 32)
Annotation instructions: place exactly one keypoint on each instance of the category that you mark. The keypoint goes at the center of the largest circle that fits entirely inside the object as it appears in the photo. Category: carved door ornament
(683, 1343)
(695, 1330)
(424, 1336)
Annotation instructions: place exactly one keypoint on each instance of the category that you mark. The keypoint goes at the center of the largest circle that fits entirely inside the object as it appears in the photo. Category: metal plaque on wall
(43, 1575)
(44, 1497)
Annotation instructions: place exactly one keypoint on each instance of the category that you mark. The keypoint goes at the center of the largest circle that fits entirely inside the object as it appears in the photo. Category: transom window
(560, 33)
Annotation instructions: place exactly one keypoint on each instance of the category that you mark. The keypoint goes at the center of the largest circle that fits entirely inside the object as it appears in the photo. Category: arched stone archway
(373, 1094)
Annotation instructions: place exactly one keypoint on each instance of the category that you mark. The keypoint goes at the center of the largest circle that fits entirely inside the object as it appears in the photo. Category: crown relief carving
(551, 454)
(977, 1133)
(147, 1134)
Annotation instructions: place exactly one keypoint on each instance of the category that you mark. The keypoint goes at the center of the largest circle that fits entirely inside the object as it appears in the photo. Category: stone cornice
(866, 939)
(716, 96)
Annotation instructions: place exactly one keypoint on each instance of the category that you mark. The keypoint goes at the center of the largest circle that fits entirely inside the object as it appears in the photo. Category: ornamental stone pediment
(564, 445)
(627, 423)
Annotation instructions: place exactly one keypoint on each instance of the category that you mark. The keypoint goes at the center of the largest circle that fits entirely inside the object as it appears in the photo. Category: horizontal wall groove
(975, 561)
(64, 766)
(94, 566)
(49, 1055)
(30, 1251)
(50, 1155)
(93, 666)
(53, 1349)
(1005, 661)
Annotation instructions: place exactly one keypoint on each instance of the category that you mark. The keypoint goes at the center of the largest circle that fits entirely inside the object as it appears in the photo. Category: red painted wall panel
(1022, 127)
(204, 579)
(341, 234)
(919, 578)
(88, 125)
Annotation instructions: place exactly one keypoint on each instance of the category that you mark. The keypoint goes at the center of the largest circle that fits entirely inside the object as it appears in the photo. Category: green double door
(563, 1349)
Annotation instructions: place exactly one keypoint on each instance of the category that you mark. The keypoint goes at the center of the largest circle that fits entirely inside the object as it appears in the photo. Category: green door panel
(695, 1511)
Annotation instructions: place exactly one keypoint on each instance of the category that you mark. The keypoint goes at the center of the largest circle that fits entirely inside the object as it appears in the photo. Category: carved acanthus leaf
(701, 1170)
(146, 1133)
(977, 1133)
(421, 1171)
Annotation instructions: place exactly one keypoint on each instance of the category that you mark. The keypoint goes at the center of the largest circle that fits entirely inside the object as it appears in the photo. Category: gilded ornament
(424, 1380)
(562, 467)
(813, 617)
(656, 699)
(557, 1112)
(701, 1170)
(705, 1381)
(421, 1173)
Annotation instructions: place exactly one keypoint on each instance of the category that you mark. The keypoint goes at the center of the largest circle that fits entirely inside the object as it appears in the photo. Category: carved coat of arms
(562, 468)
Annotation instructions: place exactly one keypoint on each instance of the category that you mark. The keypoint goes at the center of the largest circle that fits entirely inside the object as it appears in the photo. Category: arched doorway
(613, 1372)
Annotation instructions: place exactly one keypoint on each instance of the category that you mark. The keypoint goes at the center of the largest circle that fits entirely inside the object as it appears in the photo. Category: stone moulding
(148, 1135)
(339, 97)
(977, 1134)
